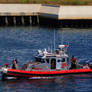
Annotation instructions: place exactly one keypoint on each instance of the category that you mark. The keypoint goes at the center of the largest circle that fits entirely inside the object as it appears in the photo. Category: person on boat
(86, 66)
(6, 65)
(73, 63)
(14, 64)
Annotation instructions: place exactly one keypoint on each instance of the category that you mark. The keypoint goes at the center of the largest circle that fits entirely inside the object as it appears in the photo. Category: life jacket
(73, 60)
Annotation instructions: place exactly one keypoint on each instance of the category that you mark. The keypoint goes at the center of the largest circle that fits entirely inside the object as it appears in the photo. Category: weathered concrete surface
(75, 12)
(49, 11)
(29, 10)
(19, 9)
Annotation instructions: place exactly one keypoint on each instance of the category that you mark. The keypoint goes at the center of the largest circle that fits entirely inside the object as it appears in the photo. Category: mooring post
(6, 20)
(14, 19)
(30, 20)
(22, 20)
(38, 19)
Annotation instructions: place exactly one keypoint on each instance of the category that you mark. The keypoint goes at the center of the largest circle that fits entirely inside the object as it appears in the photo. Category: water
(23, 42)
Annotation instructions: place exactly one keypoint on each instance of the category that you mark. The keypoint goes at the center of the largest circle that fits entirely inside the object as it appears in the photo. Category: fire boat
(46, 64)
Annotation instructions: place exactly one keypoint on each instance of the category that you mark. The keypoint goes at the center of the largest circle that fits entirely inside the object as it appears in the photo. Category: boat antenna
(62, 38)
(54, 40)
(51, 46)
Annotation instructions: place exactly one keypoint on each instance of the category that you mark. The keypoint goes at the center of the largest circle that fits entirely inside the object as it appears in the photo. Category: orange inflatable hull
(30, 74)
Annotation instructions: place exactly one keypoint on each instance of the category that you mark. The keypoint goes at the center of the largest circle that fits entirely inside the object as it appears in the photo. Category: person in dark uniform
(73, 62)
(14, 64)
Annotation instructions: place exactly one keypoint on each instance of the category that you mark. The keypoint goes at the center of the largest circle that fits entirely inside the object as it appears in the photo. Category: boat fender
(4, 70)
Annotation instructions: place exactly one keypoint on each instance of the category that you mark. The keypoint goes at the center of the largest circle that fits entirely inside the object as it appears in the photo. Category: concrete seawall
(34, 14)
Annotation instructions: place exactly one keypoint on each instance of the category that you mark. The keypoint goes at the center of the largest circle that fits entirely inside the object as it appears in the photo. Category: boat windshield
(47, 60)
(39, 60)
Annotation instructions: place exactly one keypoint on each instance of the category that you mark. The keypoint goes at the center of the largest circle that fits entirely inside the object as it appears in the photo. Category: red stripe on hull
(22, 73)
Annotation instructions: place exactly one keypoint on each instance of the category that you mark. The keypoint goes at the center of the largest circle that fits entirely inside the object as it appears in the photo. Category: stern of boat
(3, 71)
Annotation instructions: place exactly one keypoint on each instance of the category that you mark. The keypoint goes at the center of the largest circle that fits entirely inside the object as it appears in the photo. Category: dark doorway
(53, 63)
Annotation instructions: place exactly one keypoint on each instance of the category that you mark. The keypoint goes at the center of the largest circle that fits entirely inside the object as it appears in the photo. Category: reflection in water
(60, 83)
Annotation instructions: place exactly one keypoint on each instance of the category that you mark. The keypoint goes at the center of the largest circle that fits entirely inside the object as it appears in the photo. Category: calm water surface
(23, 42)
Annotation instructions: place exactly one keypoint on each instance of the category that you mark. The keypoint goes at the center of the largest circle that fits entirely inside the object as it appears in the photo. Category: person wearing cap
(6, 65)
(86, 66)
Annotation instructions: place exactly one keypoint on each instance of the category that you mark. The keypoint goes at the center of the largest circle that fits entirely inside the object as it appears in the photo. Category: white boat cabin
(53, 61)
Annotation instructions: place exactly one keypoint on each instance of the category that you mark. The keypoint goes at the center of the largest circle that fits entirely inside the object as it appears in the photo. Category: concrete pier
(34, 14)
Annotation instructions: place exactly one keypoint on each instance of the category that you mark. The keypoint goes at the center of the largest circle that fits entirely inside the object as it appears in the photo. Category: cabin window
(38, 59)
(63, 59)
(59, 61)
(47, 60)
(42, 61)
